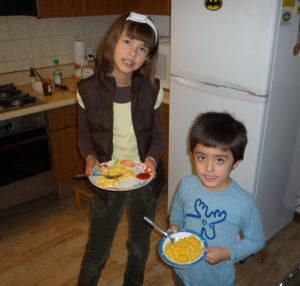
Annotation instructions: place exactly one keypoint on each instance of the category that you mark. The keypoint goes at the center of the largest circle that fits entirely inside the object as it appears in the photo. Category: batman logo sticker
(213, 5)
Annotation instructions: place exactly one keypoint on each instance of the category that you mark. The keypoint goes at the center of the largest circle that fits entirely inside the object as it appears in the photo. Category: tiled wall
(26, 41)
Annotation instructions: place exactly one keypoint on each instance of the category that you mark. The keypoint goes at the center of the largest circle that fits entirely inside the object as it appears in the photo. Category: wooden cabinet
(71, 8)
(165, 155)
(156, 7)
(62, 125)
(60, 8)
(101, 7)
(105, 7)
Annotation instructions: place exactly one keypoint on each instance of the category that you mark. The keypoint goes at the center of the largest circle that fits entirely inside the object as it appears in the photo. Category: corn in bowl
(186, 250)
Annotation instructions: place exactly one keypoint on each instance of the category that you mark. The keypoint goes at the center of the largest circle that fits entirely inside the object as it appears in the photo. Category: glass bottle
(57, 74)
(32, 76)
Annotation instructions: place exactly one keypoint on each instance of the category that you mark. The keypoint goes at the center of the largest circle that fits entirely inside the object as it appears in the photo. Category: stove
(12, 98)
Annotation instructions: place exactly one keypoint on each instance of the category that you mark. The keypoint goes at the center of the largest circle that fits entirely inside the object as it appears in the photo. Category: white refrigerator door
(233, 45)
(188, 99)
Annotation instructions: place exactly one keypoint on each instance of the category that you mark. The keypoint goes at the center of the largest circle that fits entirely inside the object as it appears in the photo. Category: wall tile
(38, 27)
(24, 64)
(7, 67)
(6, 54)
(42, 62)
(4, 35)
(56, 26)
(21, 49)
(19, 27)
(42, 47)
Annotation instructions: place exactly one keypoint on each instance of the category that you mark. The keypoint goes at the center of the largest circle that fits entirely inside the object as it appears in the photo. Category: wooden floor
(42, 243)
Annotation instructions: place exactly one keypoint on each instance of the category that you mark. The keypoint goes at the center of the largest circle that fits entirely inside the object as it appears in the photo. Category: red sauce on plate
(143, 176)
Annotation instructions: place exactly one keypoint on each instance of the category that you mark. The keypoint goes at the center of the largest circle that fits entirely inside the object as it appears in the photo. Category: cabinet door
(104, 7)
(107, 7)
(157, 7)
(66, 159)
(161, 7)
(60, 8)
(62, 117)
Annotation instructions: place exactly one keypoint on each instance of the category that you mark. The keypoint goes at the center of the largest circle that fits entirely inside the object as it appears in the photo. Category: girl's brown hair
(135, 30)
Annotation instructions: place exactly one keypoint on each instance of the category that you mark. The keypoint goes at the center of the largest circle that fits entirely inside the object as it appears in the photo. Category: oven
(26, 171)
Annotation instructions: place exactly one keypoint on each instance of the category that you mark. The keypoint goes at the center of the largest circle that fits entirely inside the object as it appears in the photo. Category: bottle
(57, 74)
(32, 76)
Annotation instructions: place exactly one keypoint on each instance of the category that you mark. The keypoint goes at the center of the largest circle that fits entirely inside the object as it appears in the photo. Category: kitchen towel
(80, 56)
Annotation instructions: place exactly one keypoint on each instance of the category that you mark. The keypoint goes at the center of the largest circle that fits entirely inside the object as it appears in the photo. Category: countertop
(58, 98)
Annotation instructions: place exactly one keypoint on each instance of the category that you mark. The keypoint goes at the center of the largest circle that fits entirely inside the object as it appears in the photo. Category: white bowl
(181, 234)
(37, 86)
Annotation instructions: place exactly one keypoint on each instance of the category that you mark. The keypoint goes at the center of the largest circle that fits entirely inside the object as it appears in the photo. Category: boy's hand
(217, 254)
(173, 227)
(90, 162)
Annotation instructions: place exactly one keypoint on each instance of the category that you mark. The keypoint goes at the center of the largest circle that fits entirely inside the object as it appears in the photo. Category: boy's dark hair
(135, 30)
(220, 130)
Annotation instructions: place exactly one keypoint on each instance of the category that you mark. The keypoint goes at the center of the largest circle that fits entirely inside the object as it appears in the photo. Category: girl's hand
(217, 254)
(90, 162)
(150, 163)
(173, 227)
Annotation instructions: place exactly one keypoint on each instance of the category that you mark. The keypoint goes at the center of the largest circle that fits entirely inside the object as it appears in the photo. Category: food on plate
(143, 176)
(185, 250)
(128, 162)
(126, 172)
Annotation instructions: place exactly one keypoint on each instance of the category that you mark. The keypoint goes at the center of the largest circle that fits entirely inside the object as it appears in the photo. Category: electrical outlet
(89, 53)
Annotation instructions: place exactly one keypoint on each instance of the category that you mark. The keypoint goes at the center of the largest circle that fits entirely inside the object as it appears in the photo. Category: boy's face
(213, 167)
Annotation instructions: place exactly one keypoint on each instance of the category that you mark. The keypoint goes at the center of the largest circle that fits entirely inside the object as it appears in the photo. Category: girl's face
(213, 167)
(129, 56)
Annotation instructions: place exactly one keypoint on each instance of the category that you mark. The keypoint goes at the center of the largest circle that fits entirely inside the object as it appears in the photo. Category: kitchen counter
(58, 98)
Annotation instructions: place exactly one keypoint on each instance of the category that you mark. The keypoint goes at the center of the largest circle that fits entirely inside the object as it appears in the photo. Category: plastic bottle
(57, 74)
(32, 76)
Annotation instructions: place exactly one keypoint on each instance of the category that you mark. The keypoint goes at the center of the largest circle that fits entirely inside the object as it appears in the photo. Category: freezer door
(234, 44)
(187, 100)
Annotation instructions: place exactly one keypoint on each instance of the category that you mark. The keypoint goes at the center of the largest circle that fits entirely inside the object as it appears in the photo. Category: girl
(119, 117)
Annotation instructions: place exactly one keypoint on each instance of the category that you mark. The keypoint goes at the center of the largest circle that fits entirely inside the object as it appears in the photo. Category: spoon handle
(155, 225)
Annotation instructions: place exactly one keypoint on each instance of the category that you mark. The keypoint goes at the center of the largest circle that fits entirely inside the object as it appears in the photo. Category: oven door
(25, 167)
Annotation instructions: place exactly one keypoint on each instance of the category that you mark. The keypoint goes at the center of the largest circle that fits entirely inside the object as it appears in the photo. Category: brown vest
(97, 93)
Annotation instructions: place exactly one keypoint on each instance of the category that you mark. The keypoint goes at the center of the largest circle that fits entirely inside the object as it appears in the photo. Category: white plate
(125, 185)
(181, 234)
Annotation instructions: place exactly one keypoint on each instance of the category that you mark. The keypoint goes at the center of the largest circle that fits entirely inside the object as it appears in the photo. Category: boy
(214, 205)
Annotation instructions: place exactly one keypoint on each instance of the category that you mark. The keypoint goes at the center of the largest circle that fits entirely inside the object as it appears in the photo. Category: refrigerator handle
(199, 83)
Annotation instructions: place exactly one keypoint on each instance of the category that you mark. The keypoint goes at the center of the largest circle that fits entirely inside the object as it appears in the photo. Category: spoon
(79, 176)
(173, 239)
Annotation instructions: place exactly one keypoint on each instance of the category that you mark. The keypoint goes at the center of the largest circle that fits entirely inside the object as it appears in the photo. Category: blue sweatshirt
(218, 217)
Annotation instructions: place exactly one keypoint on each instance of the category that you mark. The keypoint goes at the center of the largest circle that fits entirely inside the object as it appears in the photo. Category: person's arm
(85, 145)
(177, 212)
(253, 240)
(158, 142)
(253, 236)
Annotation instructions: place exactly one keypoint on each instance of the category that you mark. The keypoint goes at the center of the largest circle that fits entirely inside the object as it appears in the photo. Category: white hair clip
(141, 18)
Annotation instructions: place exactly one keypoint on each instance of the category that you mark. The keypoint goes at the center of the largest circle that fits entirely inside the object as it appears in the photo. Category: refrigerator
(240, 57)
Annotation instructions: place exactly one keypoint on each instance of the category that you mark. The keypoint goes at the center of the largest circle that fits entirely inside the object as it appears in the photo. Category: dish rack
(292, 279)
